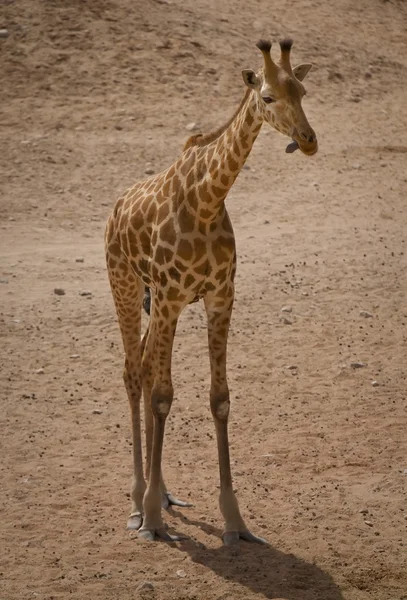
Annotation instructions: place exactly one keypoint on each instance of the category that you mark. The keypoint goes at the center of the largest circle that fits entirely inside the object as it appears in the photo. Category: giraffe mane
(201, 139)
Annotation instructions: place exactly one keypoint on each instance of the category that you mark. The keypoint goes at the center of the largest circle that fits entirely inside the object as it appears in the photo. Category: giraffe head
(280, 91)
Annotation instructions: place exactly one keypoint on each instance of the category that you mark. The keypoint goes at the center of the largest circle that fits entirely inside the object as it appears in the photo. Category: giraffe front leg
(157, 373)
(168, 499)
(218, 327)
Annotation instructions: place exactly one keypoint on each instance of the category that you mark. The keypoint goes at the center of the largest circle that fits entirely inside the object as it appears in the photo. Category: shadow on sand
(262, 569)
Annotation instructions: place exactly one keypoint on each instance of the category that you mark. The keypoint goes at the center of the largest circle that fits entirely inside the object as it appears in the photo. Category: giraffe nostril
(308, 137)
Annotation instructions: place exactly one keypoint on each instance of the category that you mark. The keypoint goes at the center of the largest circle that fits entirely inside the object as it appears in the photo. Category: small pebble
(335, 75)
(366, 314)
(85, 293)
(74, 355)
(40, 371)
(191, 127)
(292, 367)
(287, 321)
(369, 523)
(79, 259)
(375, 383)
(287, 309)
(59, 291)
(357, 365)
(96, 411)
(364, 511)
(145, 587)
(149, 170)
(3, 33)
(181, 573)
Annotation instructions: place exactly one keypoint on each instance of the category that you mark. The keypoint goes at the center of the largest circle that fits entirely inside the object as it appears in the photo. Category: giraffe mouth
(292, 147)
(308, 149)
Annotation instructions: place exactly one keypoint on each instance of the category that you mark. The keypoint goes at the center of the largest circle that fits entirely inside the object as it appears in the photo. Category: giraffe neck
(224, 157)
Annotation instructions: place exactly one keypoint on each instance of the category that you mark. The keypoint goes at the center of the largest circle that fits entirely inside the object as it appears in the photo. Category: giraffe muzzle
(308, 148)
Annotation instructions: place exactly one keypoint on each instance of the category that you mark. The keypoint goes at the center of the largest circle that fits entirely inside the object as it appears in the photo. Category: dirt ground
(93, 92)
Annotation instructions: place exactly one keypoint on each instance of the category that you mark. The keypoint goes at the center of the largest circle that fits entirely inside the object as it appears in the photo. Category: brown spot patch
(143, 265)
(189, 280)
(205, 214)
(174, 274)
(167, 232)
(170, 173)
(192, 200)
(224, 179)
(236, 148)
(190, 178)
(185, 250)
(244, 142)
(218, 192)
(166, 188)
(186, 220)
(222, 250)
(145, 242)
(209, 287)
(221, 274)
(155, 273)
(114, 249)
(163, 211)
(174, 295)
(233, 165)
(203, 191)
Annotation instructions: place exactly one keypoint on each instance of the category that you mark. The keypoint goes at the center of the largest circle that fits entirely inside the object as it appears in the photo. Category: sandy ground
(92, 93)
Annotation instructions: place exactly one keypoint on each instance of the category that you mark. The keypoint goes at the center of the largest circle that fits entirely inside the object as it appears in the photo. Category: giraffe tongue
(292, 147)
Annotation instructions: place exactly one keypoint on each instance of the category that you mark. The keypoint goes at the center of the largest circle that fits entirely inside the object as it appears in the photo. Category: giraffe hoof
(135, 521)
(153, 535)
(232, 537)
(170, 500)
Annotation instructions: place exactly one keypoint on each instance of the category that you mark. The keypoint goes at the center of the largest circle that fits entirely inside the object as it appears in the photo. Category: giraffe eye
(268, 99)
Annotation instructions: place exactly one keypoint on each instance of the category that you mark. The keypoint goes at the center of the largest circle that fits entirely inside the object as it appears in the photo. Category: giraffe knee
(220, 405)
(161, 403)
(132, 381)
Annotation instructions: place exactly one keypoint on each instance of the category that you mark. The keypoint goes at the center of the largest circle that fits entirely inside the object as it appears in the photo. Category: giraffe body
(172, 233)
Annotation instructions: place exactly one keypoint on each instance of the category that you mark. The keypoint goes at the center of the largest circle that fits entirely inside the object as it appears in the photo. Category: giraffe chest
(172, 251)
(195, 264)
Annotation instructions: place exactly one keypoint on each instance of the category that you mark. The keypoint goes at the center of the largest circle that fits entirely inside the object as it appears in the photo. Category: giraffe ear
(301, 71)
(251, 80)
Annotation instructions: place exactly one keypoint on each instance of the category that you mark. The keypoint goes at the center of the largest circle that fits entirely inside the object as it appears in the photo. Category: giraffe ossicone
(169, 241)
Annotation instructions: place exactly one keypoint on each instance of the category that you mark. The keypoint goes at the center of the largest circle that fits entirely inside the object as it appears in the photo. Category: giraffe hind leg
(127, 291)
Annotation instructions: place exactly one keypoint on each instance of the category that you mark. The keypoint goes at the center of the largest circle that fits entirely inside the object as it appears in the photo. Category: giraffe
(171, 234)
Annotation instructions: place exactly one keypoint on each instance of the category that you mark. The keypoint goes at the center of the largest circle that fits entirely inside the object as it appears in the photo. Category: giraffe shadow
(261, 569)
